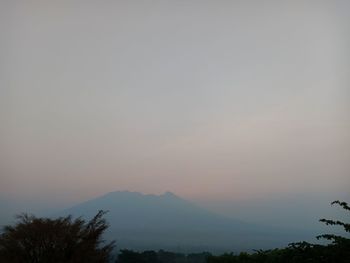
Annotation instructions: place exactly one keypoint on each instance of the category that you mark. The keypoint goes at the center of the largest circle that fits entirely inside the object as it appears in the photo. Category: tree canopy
(337, 251)
(60, 240)
(65, 240)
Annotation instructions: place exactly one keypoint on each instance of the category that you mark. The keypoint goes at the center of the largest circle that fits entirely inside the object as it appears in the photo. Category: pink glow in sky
(207, 99)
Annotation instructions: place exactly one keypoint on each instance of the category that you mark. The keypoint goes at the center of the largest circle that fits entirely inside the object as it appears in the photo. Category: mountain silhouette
(139, 221)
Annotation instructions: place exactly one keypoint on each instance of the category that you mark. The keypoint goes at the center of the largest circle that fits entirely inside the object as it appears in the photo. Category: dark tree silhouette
(336, 238)
(35, 240)
(150, 256)
(338, 251)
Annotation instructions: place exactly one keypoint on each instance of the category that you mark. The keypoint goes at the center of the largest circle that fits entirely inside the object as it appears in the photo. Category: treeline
(337, 251)
(302, 252)
(34, 239)
(129, 256)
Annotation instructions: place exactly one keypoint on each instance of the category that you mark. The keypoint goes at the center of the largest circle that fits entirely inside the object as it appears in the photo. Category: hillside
(167, 221)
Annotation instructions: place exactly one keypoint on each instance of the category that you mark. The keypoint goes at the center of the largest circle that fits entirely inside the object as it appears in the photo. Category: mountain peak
(166, 194)
(170, 194)
(149, 221)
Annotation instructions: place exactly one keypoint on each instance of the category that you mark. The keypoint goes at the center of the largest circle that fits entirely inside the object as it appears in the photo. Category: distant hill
(166, 221)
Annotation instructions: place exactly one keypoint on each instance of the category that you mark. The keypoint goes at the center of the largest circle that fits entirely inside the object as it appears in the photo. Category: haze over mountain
(211, 99)
(167, 221)
(239, 107)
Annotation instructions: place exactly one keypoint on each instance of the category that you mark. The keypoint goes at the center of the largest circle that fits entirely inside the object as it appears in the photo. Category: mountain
(166, 221)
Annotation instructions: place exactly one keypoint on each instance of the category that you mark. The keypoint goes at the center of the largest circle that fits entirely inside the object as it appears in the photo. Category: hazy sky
(209, 99)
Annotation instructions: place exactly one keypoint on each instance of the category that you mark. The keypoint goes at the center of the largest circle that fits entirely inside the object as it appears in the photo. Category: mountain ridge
(167, 221)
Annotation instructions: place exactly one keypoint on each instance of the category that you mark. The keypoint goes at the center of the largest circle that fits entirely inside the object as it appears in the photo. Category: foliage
(129, 256)
(336, 239)
(338, 251)
(59, 240)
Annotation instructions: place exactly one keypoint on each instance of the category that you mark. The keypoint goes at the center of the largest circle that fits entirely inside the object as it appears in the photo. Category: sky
(212, 100)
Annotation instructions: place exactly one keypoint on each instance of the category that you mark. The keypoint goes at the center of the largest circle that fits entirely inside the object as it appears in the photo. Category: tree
(339, 249)
(61, 240)
(336, 239)
(130, 256)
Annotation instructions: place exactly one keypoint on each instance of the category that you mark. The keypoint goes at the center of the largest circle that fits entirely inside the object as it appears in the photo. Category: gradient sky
(223, 100)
